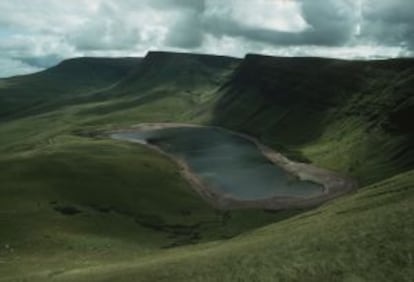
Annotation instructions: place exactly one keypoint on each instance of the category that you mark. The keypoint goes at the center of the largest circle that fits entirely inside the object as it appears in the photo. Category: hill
(74, 207)
(192, 79)
(190, 72)
(60, 85)
(339, 114)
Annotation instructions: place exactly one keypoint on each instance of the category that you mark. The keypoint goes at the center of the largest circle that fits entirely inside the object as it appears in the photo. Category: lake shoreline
(334, 184)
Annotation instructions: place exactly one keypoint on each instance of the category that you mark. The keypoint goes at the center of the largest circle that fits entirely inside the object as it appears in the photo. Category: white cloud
(275, 15)
(10, 67)
(360, 52)
(45, 16)
(43, 31)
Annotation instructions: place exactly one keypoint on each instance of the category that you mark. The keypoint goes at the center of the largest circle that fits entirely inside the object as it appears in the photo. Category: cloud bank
(35, 34)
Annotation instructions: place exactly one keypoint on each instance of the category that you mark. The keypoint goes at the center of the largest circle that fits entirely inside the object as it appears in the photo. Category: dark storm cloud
(195, 5)
(41, 61)
(186, 32)
(389, 22)
(331, 23)
(227, 27)
(108, 29)
(395, 11)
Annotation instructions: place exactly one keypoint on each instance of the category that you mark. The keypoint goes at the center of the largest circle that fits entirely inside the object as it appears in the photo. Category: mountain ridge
(80, 207)
(287, 95)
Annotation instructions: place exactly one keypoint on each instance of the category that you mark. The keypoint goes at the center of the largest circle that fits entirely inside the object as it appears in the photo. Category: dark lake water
(225, 162)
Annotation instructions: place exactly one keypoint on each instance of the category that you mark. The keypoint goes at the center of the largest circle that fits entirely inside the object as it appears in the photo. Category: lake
(225, 162)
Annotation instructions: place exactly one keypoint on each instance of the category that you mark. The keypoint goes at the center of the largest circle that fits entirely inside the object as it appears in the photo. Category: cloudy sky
(35, 34)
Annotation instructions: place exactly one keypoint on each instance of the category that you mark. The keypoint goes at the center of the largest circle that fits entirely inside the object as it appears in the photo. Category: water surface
(226, 162)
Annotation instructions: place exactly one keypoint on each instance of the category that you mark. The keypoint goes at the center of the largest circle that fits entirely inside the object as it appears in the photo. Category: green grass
(70, 82)
(344, 115)
(364, 237)
(136, 219)
(131, 201)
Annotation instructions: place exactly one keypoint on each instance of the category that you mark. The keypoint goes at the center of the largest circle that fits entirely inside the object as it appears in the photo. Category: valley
(226, 169)
(77, 206)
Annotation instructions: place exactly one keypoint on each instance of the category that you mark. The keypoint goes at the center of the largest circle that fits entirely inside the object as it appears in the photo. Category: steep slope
(187, 72)
(191, 80)
(339, 114)
(78, 208)
(364, 237)
(73, 78)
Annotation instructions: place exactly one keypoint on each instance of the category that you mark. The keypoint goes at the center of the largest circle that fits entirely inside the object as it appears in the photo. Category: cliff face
(315, 80)
(322, 106)
(178, 71)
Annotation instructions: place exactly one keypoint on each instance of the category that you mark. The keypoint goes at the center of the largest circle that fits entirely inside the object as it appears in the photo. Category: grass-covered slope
(60, 85)
(186, 72)
(192, 79)
(77, 208)
(68, 201)
(353, 116)
(363, 237)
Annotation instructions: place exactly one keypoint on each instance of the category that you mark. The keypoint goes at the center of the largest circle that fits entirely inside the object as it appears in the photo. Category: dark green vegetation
(72, 81)
(357, 115)
(78, 208)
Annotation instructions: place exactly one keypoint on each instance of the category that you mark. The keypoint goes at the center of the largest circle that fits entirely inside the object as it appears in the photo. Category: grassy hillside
(61, 85)
(181, 78)
(78, 208)
(187, 72)
(352, 116)
(364, 237)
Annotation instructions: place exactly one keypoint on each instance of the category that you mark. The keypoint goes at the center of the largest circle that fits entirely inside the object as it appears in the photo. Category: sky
(36, 34)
